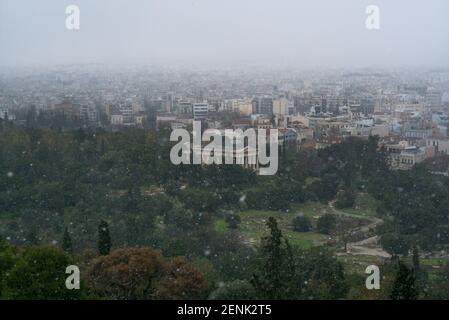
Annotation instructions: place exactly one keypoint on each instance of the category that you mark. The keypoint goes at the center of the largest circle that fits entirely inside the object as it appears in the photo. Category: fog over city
(321, 33)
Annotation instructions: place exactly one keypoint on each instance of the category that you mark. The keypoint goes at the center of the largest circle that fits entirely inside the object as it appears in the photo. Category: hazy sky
(304, 33)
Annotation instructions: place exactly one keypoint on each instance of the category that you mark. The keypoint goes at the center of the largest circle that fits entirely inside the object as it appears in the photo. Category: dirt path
(368, 246)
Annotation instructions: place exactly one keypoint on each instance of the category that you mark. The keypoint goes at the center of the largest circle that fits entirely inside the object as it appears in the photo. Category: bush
(326, 223)
(395, 244)
(233, 220)
(39, 274)
(302, 224)
(345, 199)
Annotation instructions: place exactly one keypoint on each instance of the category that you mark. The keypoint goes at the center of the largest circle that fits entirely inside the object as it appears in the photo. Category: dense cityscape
(361, 182)
(407, 110)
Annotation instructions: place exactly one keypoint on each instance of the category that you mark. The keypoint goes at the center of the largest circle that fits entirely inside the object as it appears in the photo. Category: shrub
(302, 224)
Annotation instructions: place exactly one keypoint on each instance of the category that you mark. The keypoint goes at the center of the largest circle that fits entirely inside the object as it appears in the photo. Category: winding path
(368, 246)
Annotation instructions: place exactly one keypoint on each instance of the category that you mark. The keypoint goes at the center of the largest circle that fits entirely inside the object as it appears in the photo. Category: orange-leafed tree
(181, 281)
(127, 273)
(143, 274)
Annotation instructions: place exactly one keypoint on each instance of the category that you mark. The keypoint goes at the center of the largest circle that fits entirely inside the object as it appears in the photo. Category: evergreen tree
(233, 220)
(275, 276)
(67, 242)
(415, 259)
(104, 238)
(326, 223)
(420, 274)
(32, 237)
(302, 224)
(39, 274)
(404, 286)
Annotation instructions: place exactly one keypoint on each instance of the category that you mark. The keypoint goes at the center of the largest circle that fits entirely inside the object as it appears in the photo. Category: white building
(200, 110)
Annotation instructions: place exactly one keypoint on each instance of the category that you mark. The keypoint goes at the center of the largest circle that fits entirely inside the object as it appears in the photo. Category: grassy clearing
(253, 227)
(221, 226)
(430, 264)
(357, 263)
(310, 209)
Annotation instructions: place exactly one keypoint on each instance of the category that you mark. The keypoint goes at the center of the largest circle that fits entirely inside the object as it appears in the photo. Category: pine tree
(67, 242)
(415, 258)
(104, 238)
(32, 237)
(276, 274)
(421, 274)
(404, 286)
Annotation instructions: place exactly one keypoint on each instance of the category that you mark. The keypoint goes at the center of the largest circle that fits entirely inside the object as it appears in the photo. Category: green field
(253, 228)
(310, 209)
(357, 263)
(253, 222)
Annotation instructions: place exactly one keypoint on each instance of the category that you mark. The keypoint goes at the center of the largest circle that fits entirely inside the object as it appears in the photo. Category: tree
(275, 276)
(415, 259)
(199, 200)
(181, 281)
(126, 273)
(233, 220)
(323, 275)
(404, 286)
(32, 237)
(345, 199)
(39, 274)
(302, 224)
(421, 275)
(143, 273)
(273, 198)
(236, 264)
(324, 189)
(8, 258)
(395, 244)
(67, 242)
(326, 223)
(104, 238)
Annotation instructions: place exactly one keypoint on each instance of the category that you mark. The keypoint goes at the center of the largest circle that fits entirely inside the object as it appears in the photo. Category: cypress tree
(104, 238)
(415, 258)
(67, 242)
(404, 286)
(32, 237)
(275, 276)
